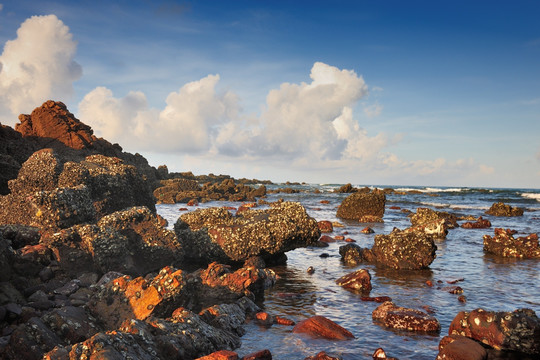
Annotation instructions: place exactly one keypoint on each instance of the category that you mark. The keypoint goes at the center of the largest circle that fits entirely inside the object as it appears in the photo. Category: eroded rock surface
(360, 204)
(397, 317)
(505, 244)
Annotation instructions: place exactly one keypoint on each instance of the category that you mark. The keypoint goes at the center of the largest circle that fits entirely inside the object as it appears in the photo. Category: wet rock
(370, 219)
(359, 280)
(325, 226)
(424, 216)
(322, 327)
(31, 340)
(229, 317)
(72, 324)
(259, 355)
(518, 330)
(378, 299)
(358, 204)
(323, 356)
(478, 224)
(367, 230)
(220, 355)
(265, 319)
(455, 347)
(397, 317)
(381, 354)
(404, 250)
(502, 209)
(352, 254)
(214, 234)
(504, 244)
(436, 229)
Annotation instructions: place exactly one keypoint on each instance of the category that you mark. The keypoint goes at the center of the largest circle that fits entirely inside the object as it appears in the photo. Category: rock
(31, 340)
(125, 298)
(357, 205)
(397, 317)
(436, 228)
(502, 209)
(220, 355)
(478, 224)
(265, 319)
(504, 244)
(404, 250)
(214, 234)
(71, 323)
(517, 331)
(20, 235)
(130, 241)
(322, 327)
(381, 354)
(359, 280)
(352, 254)
(370, 219)
(229, 317)
(259, 355)
(325, 226)
(425, 216)
(367, 230)
(347, 188)
(323, 356)
(455, 347)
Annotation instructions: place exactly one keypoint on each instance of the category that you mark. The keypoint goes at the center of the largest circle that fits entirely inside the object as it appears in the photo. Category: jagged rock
(130, 241)
(214, 234)
(504, 244)
(424, 216)
(404, 250)
(518, 330)
(397, 317)
(322, 327)
(502, 209)
(358, 204)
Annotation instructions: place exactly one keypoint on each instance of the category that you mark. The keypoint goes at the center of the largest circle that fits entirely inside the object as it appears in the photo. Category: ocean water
(489, 282)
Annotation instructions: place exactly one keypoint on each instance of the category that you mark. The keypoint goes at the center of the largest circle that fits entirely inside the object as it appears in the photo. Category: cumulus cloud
(37, 65)
(189, 122)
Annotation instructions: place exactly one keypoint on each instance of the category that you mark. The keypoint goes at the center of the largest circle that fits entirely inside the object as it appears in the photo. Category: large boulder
(517, 331)
(426, 216)
(504, 244)
(502, 209)
(358, 205)
(214, 234)
(404, 250)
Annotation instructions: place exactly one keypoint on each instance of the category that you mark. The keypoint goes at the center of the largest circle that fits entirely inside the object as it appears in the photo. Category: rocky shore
(90, 271)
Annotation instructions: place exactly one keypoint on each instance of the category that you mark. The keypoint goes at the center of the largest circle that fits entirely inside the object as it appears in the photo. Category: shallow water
(489, 282)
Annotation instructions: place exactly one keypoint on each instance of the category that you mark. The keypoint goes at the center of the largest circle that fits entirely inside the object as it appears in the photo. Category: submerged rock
(504, 244)
(358, 205)
(397, 317)
(322, 327)
(517, 331)
(214, 234)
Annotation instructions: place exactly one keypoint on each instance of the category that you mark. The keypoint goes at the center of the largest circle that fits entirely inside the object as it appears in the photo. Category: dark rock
(347, 188)
(31, 340)
(404, 250)
(322, 327)
(397, 317)
(72, 324)
(518, 330)
(229, 317)
(20, 235)
(357, 205)
(504, 244)
(214, 234)
(359, 280)
(502, 209)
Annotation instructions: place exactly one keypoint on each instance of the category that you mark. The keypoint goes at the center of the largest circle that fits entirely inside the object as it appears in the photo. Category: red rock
(455, 347)
(349, 240)
(395, 208)
(367, 230)
(429, 283)
(396, 317)
(259, 355)
(339, 237)
(321, 327)
(322, 356)
(220, 355)
(479, 224)
(455, 290)
(455, 281)
(327, 239)
(462, 298)
(325, 226)
(283, 321)
(504, 244)
(379, 299)
(183, 209)
(324, 202)
(359, 280)
(193, 202)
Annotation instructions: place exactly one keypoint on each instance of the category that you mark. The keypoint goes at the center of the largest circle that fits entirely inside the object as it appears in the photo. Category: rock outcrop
(214, 234)
(502, 209)
(397, 317)
(504, 244)
(360, 204)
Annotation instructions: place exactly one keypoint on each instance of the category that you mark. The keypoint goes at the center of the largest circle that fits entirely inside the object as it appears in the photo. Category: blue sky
(367, 92)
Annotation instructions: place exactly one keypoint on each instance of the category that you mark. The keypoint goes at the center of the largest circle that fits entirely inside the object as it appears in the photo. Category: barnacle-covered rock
(425, 216)
(359, 204)
(352, 254)
(518, 330)
(404, 250)
(216, 235)
(397, 317)
(359, 280)
(504, 244)
(502, 209)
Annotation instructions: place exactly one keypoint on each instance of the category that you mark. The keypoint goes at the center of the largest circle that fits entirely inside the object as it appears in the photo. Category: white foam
(534, 196)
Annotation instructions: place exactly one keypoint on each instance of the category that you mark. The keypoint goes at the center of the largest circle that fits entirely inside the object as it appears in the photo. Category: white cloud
(188, 122)
(373, 110)
(37, 65)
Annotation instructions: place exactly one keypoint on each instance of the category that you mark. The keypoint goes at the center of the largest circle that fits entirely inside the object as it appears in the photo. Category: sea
(489, 282)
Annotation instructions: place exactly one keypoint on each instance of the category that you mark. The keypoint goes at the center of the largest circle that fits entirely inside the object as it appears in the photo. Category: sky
(431, 93)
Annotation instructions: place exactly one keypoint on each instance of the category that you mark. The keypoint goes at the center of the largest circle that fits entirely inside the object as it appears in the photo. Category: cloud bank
(37, 65)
